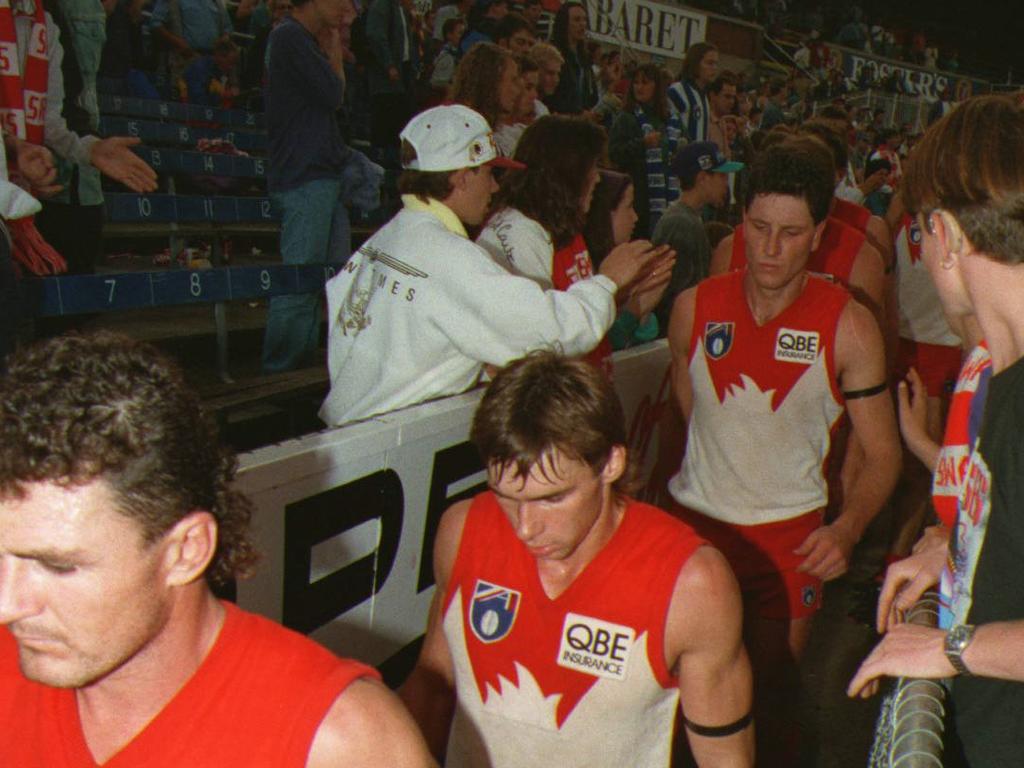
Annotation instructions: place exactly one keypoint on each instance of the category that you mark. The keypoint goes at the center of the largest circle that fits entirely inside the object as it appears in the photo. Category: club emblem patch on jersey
(493, 611)
(792, 346)
(718, 339)
(808, 596)
(595, 647)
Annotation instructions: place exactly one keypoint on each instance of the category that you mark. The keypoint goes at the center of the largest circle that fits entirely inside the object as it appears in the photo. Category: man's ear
(189, 546)
(819, 230)
(615, 466)
(459, 179)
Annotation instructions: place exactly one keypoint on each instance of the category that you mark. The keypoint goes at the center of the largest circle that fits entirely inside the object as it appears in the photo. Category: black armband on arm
(719, 731)
(869, 392)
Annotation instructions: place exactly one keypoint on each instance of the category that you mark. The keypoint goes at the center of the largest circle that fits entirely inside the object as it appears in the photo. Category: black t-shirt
(990, 713)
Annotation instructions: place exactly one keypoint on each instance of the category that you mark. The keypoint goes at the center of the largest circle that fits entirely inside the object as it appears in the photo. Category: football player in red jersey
(765, 362)
(570, 622)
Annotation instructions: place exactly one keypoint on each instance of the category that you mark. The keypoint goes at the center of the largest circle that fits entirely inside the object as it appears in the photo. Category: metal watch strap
(957, 640)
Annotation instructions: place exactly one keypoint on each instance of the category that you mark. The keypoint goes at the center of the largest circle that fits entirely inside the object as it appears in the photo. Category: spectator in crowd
(255, 66)
(962, 184)
(72, 219)
(448, 59)
(854, 33)
(549, 66)
(722, 104)
(514, 33)
(533, 10)
(420, 309)
(123, 53)
(188, 28)
(211, 80)
(536, 229)
(723, 337)
(610, 222)
(510, 129)
(942, 106)
(702, 171)
(877, 201)
(775, 100)
(609, 81)
(483, 22)
(450, 10)
(576, 91)
(688, 95)
(566, 556)
(305, 88)
(487, 80)
(886, 144)
(118, 517)
(36, 131)
(642, 141)
(391, 70)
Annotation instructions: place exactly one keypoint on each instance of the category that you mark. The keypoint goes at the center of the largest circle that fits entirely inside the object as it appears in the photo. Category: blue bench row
(127, 207)
(180, 135)
(203, 163)
(78, 294)
(172, 110)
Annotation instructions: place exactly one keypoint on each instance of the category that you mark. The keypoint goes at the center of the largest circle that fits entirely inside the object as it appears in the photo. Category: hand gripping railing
(910, 724)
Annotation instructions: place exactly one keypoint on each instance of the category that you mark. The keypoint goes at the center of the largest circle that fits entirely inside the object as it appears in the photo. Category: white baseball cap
(452, 137)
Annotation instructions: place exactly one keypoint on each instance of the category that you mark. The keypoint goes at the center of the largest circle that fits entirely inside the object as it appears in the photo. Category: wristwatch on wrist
(957, 640)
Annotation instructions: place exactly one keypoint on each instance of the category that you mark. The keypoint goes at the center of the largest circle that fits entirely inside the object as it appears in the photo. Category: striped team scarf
(662, 186)
(23, 114)
(23, 94)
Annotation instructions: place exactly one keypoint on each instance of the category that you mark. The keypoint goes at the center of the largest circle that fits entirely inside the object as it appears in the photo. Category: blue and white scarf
(662, 185)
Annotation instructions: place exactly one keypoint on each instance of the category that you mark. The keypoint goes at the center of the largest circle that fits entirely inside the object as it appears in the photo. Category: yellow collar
(437, 209)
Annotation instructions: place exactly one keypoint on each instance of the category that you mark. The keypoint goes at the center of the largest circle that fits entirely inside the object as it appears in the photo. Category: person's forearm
(868, 492)
(431, 702)
(996, 650)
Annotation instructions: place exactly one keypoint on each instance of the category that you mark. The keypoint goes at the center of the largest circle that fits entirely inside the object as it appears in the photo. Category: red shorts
(936, 364)
(762, 558)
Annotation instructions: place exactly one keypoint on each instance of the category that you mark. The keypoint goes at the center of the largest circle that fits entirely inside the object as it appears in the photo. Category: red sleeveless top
(856, 216)
(257, 699)
(570, 264)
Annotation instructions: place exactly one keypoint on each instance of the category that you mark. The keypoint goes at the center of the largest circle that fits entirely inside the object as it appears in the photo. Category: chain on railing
(910, 725)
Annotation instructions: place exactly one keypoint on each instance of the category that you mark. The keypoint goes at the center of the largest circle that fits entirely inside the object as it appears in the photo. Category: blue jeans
(314, 230)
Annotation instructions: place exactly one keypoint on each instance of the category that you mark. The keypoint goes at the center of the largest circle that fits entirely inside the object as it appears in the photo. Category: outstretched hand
(907, 579)
(114, 158)
(907, 650)
(637, 260)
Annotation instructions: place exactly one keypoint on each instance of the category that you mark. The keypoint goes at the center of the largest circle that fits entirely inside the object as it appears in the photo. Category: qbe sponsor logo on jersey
(595, 647)
(493, 611)
(718, 339)
(793, 346)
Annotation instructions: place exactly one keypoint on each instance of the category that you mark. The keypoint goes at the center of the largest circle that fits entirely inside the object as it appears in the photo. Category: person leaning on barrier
(420, 309)
(965, 183)
(116, 517)
(571, 622)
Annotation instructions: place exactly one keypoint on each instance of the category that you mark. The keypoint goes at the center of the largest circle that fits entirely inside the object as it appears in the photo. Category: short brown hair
(971, 163)
(77, 409)
(543, 402)
(424, 184)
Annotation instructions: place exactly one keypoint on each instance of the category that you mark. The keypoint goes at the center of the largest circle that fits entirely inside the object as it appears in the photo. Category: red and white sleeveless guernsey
(834, 257)
(576, 680)
(765, 404)
(257, 700)
(569, 265)
(921, 316)
(857, 216)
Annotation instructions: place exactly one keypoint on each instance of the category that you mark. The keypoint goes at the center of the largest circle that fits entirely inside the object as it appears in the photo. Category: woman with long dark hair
(643, 139)
(536, 228)
(577, 88)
